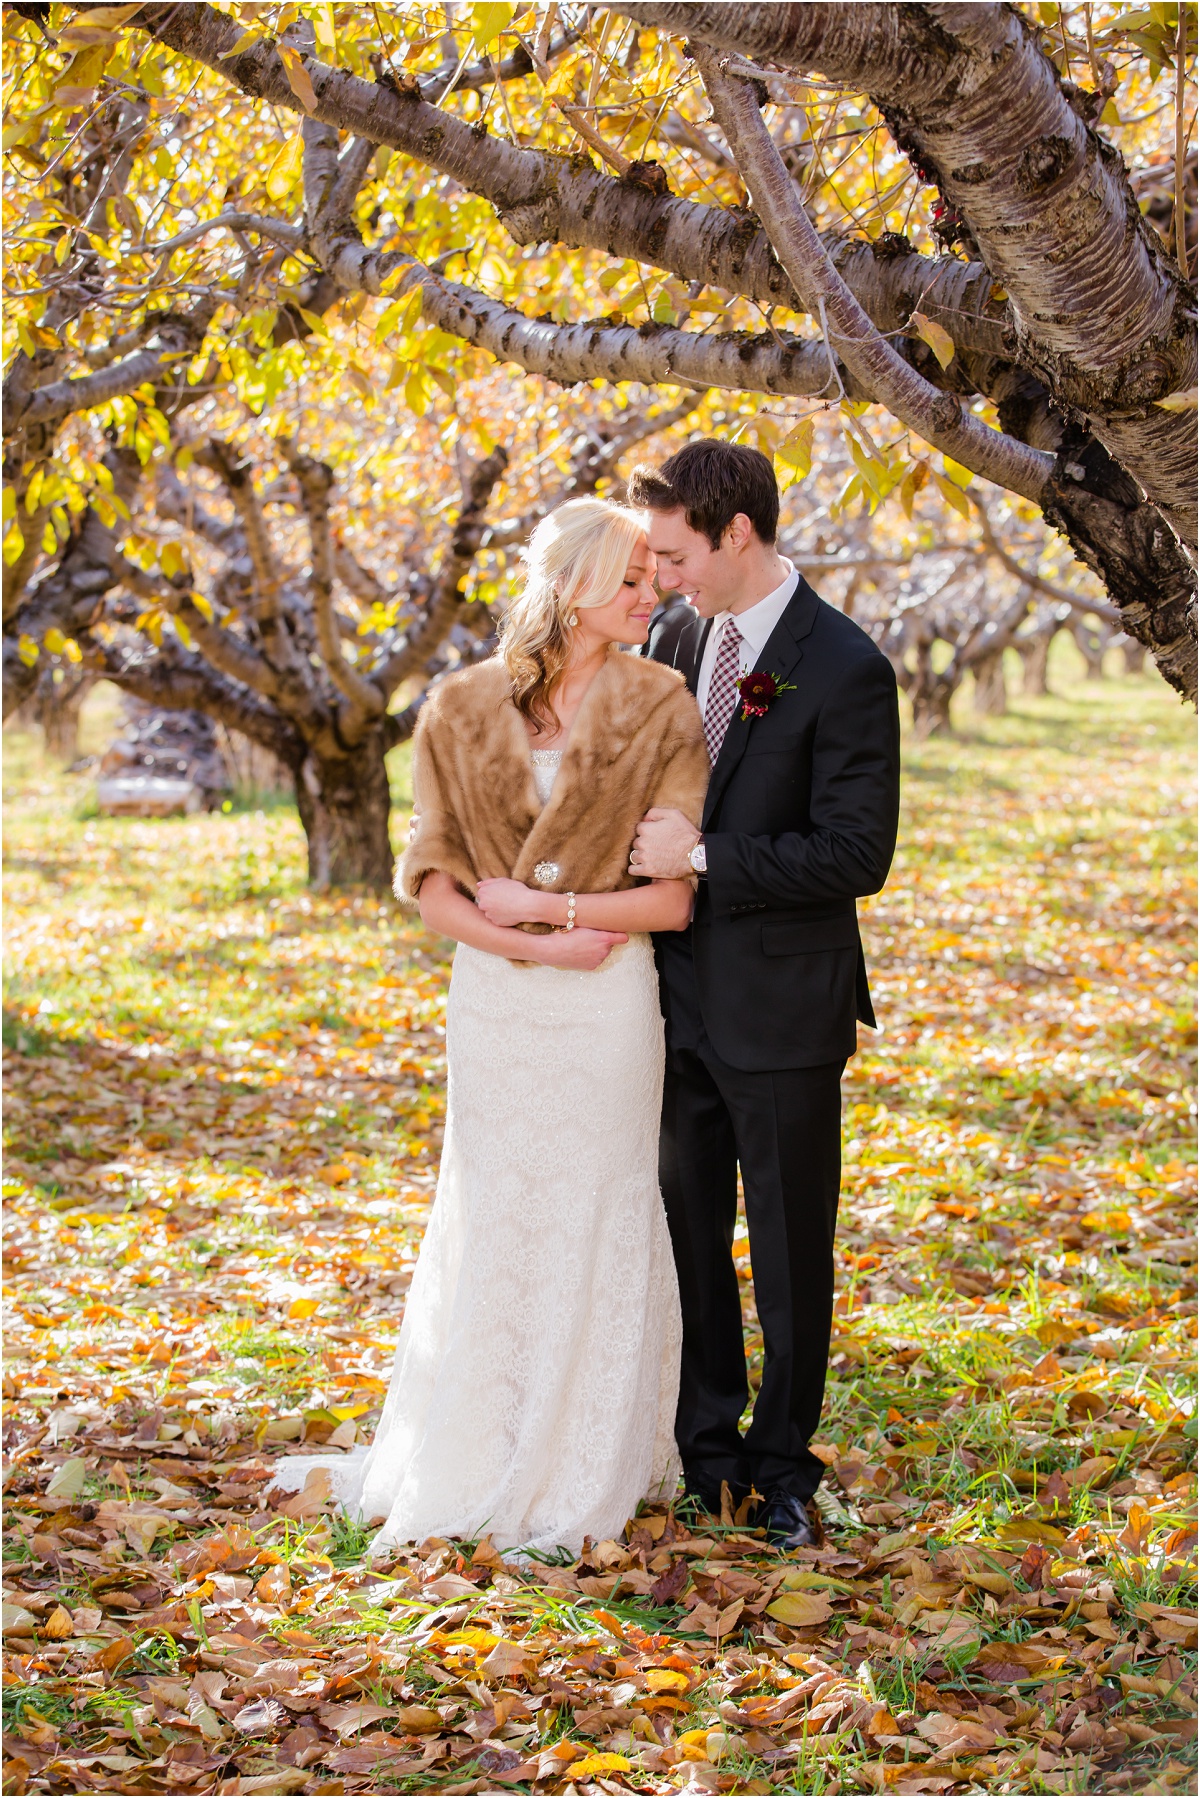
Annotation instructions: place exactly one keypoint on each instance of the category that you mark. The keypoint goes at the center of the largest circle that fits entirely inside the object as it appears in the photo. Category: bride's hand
(580, 949)
(509, 902)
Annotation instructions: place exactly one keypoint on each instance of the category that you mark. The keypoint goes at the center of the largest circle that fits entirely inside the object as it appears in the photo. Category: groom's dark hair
(713, 482)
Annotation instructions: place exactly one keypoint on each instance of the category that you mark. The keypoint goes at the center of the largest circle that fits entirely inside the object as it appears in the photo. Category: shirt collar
(758, 621)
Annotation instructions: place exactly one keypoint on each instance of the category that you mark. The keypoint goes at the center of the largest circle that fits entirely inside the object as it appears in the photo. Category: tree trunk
(930, 695)
(990, 699)
(1035, 662)
(344, 806)
(1092, 648)
(1135, 656)
(60, 725)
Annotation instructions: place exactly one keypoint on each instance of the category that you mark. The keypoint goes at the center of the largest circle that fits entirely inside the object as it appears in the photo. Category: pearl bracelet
(570, 911)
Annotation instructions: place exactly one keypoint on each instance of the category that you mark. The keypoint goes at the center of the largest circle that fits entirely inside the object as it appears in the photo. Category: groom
(762, 993)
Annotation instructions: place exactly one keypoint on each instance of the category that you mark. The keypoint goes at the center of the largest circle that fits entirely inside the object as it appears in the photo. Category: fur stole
(637, 741)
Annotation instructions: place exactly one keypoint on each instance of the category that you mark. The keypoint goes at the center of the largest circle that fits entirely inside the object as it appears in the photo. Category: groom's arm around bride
(761, 996)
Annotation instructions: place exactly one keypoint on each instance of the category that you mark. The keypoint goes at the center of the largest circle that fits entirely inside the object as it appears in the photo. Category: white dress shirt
(756, 624)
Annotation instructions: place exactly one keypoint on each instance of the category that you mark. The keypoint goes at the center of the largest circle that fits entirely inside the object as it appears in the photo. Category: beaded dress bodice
(545, 771)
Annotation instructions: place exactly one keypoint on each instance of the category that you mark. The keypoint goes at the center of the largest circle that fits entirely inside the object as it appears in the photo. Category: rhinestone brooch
(546, 873)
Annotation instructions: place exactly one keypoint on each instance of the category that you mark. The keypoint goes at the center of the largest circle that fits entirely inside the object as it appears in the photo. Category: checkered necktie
(722, 689)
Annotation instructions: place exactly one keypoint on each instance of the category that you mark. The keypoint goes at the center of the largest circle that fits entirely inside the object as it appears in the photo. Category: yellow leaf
(300, 1308)
(665, 1679)
(1183, 401)
(800, 1610)
(243, 43)
(962, 477)
(795, 452)
(488, 21)
(953, 495)
(599, 1763)
(108, 18)
(55, 641)
(298, 78)
(323, 31)
(936, 336)
(202, 605)
(285, 170)
(561, 84)
(27, 649)
(1113, 1223)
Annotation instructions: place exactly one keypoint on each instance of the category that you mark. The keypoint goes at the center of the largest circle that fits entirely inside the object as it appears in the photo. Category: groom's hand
(661, 847)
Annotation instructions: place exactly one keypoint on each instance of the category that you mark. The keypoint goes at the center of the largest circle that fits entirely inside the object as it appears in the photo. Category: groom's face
(688, 563)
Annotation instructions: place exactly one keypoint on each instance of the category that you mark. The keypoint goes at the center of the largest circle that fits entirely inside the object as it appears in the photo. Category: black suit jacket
(799, 822)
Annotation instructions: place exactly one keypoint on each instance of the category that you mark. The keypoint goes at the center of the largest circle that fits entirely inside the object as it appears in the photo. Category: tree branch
(1031, 578)
(289, 237)
(1101, 312)
(179, 336)
(181, 682)
(426, 636)
(267, 610)
(70, 596)
(544, 197)
(238, 660)
(939, 417)
(365, 698)
(655, 355)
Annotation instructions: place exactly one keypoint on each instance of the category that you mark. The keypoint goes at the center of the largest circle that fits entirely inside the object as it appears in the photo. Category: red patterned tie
(722, 689)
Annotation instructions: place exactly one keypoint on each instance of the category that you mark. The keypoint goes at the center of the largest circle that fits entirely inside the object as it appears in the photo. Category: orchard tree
(1030, 325)
(266, 273)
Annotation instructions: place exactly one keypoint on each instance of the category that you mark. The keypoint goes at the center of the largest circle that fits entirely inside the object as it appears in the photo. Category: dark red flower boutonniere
(758, 691)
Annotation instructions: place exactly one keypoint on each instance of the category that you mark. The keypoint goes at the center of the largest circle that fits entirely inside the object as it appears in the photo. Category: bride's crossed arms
(607, 735)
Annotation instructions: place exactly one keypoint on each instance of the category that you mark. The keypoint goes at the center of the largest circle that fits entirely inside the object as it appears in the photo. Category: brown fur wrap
(637, 741)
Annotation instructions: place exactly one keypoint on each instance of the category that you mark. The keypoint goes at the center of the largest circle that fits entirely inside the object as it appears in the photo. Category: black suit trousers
(784, 1130)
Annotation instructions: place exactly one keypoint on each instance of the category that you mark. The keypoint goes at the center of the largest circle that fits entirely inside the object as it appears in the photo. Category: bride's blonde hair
(575, 558)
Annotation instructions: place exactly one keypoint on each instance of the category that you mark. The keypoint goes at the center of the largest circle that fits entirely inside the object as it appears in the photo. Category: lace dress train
(534, 1388)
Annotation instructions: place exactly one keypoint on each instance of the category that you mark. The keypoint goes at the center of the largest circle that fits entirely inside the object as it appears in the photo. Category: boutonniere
(758, 691)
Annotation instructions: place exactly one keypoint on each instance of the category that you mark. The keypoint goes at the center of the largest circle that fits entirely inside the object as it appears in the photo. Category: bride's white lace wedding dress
(533, 1395)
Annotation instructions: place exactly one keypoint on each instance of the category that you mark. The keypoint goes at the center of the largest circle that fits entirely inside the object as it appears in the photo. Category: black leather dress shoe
(786, 1521)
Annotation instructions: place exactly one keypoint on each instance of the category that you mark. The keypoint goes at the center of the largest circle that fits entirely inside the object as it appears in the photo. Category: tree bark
(71, 597)
(542, 197)
(1102, 314)
(1092, 647)
(990, 699)
(930, 699)
(1035, 663)
(344, 804)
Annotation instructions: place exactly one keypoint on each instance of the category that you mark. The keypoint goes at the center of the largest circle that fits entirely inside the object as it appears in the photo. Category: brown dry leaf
(417, 1719)
(310, 1500)
(956, 1735)
(1004, 1662)
(275, 1586)
(348, 1719)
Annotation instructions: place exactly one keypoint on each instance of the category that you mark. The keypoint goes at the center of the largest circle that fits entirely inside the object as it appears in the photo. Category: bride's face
(626, 617)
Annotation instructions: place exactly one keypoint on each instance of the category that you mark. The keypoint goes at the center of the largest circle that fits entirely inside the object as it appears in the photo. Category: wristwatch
(698, 858)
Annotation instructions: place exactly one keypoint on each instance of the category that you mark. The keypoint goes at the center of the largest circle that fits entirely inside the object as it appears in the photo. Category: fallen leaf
(800, 1610)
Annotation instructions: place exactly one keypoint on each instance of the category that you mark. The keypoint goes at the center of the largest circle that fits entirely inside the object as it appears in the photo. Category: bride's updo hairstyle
(575, 558)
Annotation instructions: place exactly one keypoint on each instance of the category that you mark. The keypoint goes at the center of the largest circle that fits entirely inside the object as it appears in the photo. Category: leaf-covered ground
(224, 1108)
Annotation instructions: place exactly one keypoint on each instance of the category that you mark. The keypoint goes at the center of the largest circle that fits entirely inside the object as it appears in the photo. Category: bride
(534, 1389)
